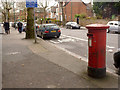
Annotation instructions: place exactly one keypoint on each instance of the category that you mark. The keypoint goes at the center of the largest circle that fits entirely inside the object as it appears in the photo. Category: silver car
(114, 26)
(72, 25)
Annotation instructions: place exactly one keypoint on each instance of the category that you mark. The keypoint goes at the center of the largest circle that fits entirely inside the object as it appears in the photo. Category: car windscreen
(74, 23)
(52, 27)
(110, 23)
(68, 23)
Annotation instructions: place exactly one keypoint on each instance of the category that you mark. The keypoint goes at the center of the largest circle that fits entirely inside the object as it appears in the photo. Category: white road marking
(75, 38)
(53, 42)
(110, 47)
(110, 50)
(70, 38)
(66, 40)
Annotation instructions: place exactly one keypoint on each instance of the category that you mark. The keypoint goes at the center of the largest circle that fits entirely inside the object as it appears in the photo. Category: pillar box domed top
(97, 26)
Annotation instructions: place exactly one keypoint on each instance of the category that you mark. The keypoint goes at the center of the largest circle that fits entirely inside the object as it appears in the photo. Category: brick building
(73, 8)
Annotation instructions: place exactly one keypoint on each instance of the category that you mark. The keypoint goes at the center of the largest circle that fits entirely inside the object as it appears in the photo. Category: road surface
(75, 41)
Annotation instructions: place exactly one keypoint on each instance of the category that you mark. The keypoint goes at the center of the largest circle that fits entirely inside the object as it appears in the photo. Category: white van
(114, 26)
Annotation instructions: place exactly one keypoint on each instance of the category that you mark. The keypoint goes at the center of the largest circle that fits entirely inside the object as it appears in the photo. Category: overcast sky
(51, 2)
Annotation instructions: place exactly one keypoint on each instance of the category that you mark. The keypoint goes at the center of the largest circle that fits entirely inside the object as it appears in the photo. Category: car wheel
(66, 27)
(37, 35)
(42, 36)
(58, 36)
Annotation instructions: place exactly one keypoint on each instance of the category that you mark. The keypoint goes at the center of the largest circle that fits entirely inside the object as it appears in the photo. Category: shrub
(77, 15)
(82, 16)
(88, 17)
(99, 17)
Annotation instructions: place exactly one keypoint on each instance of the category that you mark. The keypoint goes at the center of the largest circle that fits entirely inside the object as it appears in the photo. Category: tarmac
(43, 65)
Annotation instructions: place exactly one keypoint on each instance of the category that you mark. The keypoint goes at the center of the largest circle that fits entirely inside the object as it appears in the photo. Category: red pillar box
(97, 50)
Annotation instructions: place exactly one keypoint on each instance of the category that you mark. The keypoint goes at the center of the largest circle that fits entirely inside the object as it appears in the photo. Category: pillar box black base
(97, 73)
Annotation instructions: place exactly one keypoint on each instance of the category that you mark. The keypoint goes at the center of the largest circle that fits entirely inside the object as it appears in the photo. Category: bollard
(97, 50)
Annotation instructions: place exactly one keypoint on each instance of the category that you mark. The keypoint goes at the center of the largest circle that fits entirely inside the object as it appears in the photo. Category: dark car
(117, 60)
(48, 31)
(72, 25)
(25, 26)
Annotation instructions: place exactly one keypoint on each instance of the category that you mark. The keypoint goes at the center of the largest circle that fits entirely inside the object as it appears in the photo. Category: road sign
(31, 3)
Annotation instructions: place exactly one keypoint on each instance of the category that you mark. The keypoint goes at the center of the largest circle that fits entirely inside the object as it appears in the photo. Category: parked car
(114, 26)
(72, 25)
(37, 26)
(11, 24)
(48, 31)
(24, 26)
(116, 57)
(16, 25)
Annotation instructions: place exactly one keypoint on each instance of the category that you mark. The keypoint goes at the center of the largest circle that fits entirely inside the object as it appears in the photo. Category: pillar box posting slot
(97, 50)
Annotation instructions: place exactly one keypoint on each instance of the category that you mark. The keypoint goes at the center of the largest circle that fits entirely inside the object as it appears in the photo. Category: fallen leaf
(22, 64)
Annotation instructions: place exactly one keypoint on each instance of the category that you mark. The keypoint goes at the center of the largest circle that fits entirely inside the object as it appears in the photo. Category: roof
(67, 2)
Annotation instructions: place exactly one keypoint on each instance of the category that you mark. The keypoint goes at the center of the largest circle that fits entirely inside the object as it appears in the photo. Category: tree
(30, 24)
(7, 6)
(45, 8)
(22, 5)
(106, 9)
(62, 6)
(63, 15)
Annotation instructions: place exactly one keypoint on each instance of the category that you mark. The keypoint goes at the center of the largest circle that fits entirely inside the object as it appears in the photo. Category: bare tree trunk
(30, 24)
(44, 15)
(63, 16)
(4, 16)
(8, 14)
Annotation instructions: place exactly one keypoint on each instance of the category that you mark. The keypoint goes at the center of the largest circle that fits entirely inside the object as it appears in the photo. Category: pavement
(42, 65)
